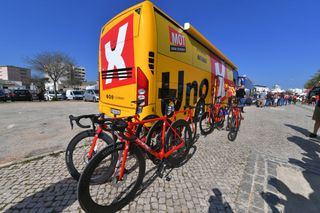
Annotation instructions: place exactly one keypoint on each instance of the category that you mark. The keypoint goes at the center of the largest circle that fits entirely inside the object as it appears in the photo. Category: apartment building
(80, 73)
(13, 73)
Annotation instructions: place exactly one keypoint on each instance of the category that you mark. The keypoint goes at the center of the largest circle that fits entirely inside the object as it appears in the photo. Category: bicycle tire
(153, 139)
(220, 123)
(200, 109)
(74, 171)
(174, 160)
(232, 135)
(204, 118)
(239, 118)
(142, 130)
(85, 199)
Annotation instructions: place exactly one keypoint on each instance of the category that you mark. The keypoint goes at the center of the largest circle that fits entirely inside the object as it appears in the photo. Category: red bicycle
(213, 118)
(125, 163)
(86, 144)
(234, 121)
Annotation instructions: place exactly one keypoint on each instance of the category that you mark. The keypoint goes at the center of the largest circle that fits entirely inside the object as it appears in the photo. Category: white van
(74, 95)
(91, 95)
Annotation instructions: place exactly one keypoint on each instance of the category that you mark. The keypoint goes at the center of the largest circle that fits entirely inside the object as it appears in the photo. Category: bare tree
(54, 64)
(39, 82)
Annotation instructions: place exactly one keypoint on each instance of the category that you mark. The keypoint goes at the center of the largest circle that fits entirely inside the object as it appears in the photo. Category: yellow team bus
(145, 55)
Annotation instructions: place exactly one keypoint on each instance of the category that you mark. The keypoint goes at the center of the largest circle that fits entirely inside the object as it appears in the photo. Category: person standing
(263, 97)
(316, 118)
(240, 94)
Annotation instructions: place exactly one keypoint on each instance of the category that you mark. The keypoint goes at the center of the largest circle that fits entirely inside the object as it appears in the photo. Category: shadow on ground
(54, 198)
(303, 131)
(217, 204)
(310, 165)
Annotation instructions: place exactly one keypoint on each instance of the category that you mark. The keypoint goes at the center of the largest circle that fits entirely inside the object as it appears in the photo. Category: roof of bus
(189, 30)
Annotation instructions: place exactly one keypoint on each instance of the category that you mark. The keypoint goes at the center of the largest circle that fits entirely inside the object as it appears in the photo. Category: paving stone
(220, 177)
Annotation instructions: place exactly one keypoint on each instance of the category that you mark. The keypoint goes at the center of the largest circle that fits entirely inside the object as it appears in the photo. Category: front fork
(120, 166)
(94, 147)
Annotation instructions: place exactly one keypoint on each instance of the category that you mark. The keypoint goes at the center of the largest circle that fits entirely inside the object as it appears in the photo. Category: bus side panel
(188, 81)
(183, 65)
(184, 52)
(222, 75)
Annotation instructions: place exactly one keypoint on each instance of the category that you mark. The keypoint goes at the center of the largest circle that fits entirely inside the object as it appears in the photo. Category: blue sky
(271, 41)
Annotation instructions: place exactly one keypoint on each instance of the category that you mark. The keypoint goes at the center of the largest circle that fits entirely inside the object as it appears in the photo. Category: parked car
(9, 94)
(74, 95)
(91, 95)
(63, 96)
(21, 95)
(3, 96)
(34, 95)
(49, 95)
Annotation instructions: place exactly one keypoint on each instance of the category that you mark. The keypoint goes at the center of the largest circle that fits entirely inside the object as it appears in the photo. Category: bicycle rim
(206, 124)
(78, 150)
(178, 133)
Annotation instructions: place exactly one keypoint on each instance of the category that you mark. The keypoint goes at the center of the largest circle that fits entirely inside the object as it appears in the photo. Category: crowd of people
(265, 99)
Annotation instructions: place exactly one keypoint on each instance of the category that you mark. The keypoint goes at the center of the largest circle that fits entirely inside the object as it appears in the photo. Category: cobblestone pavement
(256, 173)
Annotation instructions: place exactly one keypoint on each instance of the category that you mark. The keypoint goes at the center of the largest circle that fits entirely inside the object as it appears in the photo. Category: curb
(33, 158)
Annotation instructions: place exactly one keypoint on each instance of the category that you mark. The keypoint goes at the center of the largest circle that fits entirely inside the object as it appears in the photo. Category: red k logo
(117, 55)
(218, 70)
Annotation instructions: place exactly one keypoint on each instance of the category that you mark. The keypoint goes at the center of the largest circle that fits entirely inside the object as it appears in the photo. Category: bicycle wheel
(200, 109)
(206, 124)
(233, 132)
(78, 148)
(239, 120)
(113, 194)
(178, 132)
(154, 141)
(142, 130)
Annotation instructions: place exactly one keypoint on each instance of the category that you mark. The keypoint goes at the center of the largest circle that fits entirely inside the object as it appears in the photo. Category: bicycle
(234, 121)
(154, 139)
(213, 118)
(86, 144)
(129, 169)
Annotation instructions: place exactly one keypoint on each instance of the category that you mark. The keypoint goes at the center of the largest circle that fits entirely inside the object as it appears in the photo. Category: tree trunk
(55, 89)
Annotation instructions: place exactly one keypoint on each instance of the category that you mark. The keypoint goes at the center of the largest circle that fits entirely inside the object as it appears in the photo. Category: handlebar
(94, 118)
(116, 124)
(78, 118)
